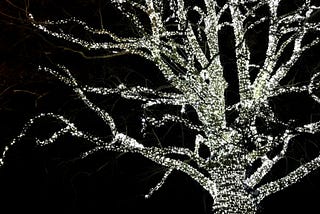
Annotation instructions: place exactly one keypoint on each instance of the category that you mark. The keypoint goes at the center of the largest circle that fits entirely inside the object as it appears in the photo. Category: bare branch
(160, 184)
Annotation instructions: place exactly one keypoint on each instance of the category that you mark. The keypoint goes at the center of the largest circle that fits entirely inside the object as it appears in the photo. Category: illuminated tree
(185, 42)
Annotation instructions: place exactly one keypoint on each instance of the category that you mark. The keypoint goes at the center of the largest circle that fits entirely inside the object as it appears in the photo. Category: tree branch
(293, 177)
(158, 156)
(242, 52)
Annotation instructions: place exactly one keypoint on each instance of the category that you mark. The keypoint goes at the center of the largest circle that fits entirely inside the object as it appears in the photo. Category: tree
(245, 137)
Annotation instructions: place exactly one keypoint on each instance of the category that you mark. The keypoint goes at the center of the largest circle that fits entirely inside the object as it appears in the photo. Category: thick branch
(267, 164)
(128, 144)
(260, 82)
(298, 173)
(280, 27)
(292, 178)
(242, 52)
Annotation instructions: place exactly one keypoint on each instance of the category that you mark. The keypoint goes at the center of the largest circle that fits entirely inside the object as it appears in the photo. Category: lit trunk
(233, 197)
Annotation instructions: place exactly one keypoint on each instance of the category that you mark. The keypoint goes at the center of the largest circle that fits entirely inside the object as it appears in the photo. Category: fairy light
(203, 89)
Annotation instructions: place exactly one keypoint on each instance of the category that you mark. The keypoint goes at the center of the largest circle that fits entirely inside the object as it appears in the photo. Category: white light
(223, 173)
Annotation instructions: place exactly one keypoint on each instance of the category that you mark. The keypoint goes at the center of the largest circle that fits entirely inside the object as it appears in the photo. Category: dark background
(53, 179)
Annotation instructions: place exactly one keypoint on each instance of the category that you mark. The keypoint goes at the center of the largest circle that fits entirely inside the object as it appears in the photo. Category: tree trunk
(235, 203)
(232, 196)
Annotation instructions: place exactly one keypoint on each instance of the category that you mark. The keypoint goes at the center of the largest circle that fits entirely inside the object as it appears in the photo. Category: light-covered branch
(242, 52)
(124, 143)
(172, 118)
(292, 178)
(78, 90)
(183, 40)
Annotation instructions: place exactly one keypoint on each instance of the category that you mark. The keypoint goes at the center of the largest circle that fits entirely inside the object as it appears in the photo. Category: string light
(232, 189)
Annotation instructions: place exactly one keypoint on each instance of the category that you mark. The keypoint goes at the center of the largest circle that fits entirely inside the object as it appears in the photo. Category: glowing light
(203, 88)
